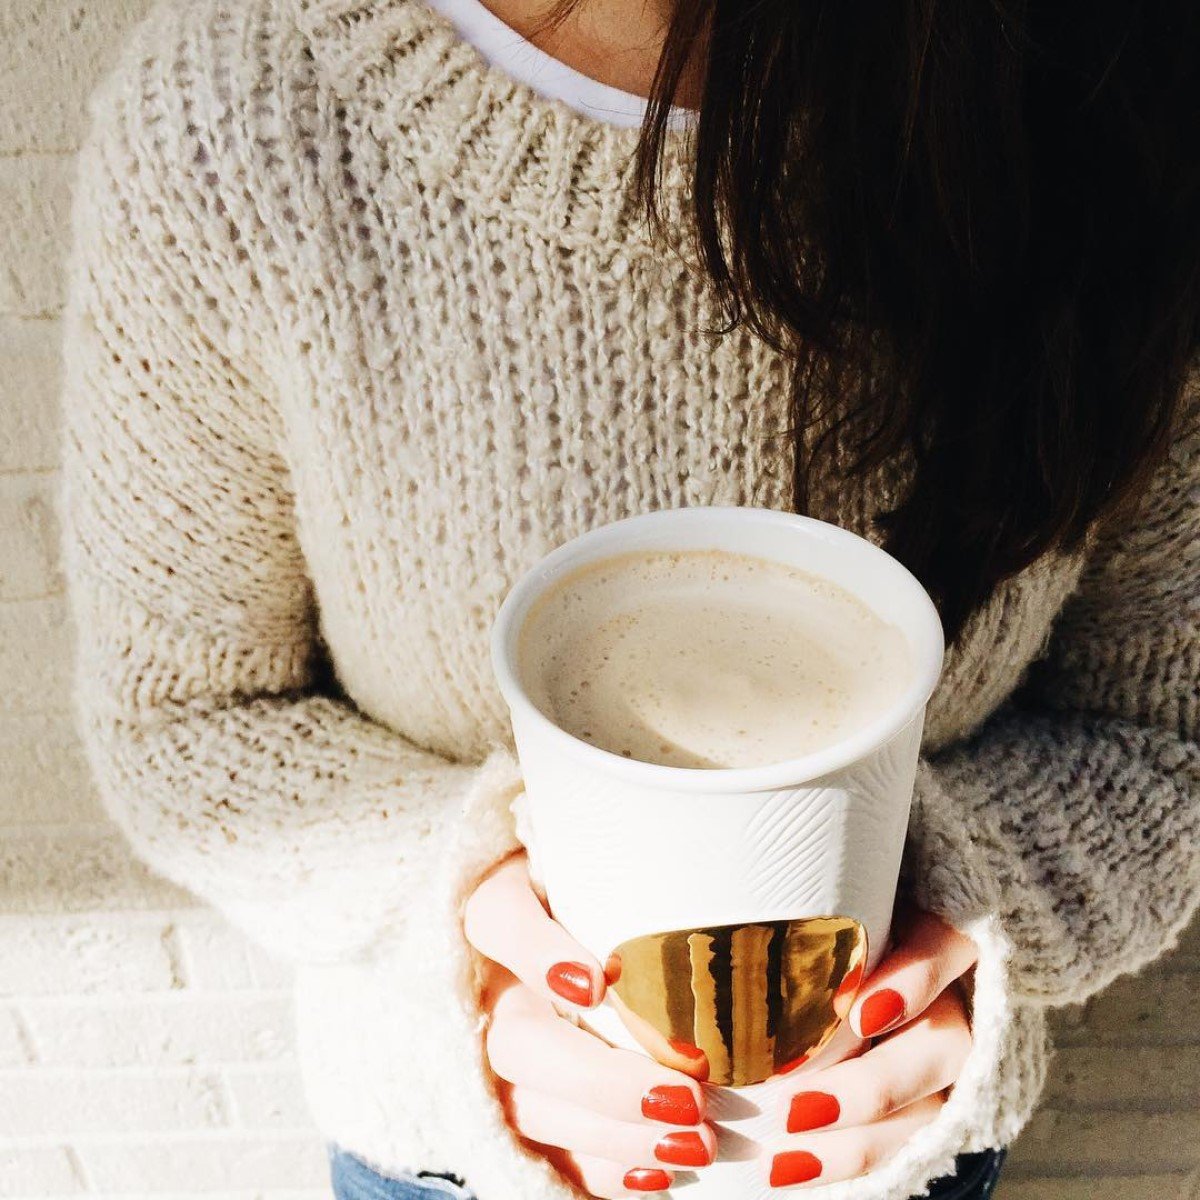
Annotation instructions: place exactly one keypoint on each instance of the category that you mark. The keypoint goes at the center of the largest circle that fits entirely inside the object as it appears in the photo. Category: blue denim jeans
(353, 1180)
(975, 1179)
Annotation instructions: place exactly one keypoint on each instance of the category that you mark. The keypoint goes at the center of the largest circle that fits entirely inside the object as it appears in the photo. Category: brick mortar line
(28, 152)
(50, 828)
(226, 1134)
(89, 912)
(25, 472)
(1098, 1041)
(1147, 1108)
(59, 595)
(34, 314)
(1016, 1171)
(29, 1000)
(230, 1116)
(1069, 1114)
(175, 956)
(30, 597)
(36, 318)
(175, 996)
(25, 1038)
(110, 916)
(24, 710)
(7, 155)
(77, 1169)
(57, 1073)
(271, 1193)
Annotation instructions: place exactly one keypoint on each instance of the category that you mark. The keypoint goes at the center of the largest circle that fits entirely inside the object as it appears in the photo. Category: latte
(708, 659)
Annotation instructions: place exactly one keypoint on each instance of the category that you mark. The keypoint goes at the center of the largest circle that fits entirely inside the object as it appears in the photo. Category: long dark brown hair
(975, 223)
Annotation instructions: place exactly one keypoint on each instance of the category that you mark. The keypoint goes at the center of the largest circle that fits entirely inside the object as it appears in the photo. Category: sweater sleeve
(216, 741)
(1077, 809)
(1065, 835)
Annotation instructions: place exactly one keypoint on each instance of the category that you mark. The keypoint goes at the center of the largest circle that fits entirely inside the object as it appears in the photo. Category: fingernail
(792, 1065)
(672, 1105)
(697, 1060)
(812, 1110)
(794, 1166)
(849, 985)
(647, 1179)
(879, 1011)
(683, 1150)
(572, 981)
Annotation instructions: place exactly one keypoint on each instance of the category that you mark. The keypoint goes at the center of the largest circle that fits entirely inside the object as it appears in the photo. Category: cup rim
(927, 628)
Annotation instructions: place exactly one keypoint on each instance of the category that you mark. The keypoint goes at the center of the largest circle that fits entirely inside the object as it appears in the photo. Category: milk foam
(708, 659)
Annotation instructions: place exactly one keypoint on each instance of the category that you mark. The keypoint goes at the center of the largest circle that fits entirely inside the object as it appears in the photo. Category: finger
(920, 1060)
(529, 1045)
(931, 956)
(547, 1119)
(505, 921)
(609, 1180)
(820, 1158)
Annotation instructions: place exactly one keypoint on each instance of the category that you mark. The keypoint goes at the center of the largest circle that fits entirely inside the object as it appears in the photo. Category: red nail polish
(794, 1166)
(647, 1179)
(812, 1110)
(792, 1065)
(849, 985)
(672, 1105)
(697, 1066)
(572, 981)
(683, 1150)
(880, 1011)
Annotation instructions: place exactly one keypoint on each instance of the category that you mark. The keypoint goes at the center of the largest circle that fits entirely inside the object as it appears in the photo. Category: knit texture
(359, 330)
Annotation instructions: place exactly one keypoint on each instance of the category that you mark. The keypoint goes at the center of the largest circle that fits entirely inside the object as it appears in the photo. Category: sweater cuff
(946, 872)
(423, 987)
(473, 840)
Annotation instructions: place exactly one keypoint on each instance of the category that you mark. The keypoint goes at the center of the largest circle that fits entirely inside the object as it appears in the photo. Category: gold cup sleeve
(754, 999)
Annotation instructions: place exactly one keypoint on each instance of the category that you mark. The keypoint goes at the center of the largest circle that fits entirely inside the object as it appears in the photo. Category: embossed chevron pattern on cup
(787, 848)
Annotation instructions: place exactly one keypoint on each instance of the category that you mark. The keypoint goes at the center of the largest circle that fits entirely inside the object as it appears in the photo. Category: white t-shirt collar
(507, 50)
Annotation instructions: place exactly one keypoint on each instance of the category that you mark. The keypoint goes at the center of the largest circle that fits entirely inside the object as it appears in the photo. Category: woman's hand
(613, 1121)
(848, 1118)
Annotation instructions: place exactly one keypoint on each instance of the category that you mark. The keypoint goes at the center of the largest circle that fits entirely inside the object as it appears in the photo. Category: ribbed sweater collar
(464, 124)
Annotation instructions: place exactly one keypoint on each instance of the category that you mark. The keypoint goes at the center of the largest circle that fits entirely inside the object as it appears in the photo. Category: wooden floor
(1121, 1117)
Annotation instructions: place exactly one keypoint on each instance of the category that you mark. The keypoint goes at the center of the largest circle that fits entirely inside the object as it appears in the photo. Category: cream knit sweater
(360, 328)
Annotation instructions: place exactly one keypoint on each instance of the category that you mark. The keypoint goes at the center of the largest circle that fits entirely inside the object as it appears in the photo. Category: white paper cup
(627, 849)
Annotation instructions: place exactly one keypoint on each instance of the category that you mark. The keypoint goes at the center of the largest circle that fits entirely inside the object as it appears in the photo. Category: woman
(363, 323)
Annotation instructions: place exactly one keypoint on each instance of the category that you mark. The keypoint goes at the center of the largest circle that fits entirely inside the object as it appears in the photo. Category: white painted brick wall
(35, 194)
(145, 1047)
(39, 1171)
(180, 1028)
(28, 387)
